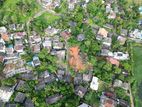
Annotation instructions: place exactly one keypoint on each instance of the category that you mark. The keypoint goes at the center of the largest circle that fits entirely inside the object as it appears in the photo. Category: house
(46, 3)
(37, 39)
(40, 85)
(2, 48)
(108, 8)
(106, 52)
(10, 105)
(121, 40)
(3, 30)
(51, 31)
(112, 15)
(36, 61)
(19, 35)
(119, 83)
(44, 74)
(6, 93)
(34, 38)
(57, 44)
(78, 79)
(124, 32)
(123, 103)
(35, 48)
(56, 3)
(19, 85)
(103, 33)
(113, 61)
(19, 48)
(87, 77)
(67, 77)
(94, 85)
(1, 104)
(71, 4)
(28, 103)
(84, 105)
(137, 34)
(9, 49)
(28, 76)
(20, 97)
(72, 24)
(140, 22)
(47, 43)
(1, 40)
(61, 54)
(2, 57)
(53, 99)
(107, 101)
(107, 41)
(140, 9)
(120, 56)
(60, 74)
(11, 56)
(16, 27)
(5, 37)
(108, 26)
(80, 37)
(47, 77)
(14, 66)
(65, 34)
(80, 91)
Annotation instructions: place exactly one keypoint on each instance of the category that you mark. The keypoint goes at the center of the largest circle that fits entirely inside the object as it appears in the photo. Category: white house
(120, 56)
(94, 84)
(3, 29)
(5, 93)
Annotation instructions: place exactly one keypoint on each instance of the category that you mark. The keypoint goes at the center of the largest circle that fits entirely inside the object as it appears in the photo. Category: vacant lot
(137, 66)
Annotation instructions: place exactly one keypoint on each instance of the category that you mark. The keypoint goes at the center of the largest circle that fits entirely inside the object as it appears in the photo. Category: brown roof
(65, 34)
(1, 58)
(113, 61)
(103, 32)
(5, 37)
(108, 103)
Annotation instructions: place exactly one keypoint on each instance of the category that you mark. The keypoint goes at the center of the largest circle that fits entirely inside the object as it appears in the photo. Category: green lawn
(137, 68)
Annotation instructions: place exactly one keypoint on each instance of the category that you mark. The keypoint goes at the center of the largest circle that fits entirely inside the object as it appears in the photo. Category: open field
(137, 68)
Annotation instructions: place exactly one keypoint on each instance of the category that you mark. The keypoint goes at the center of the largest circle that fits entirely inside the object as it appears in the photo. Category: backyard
(137, 68)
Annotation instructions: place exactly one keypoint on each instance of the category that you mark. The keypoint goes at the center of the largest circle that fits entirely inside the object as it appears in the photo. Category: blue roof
(30, 63)
(10, 46)
(35, 57)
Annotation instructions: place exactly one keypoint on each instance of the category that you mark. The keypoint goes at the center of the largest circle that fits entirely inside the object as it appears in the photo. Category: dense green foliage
(17, 11)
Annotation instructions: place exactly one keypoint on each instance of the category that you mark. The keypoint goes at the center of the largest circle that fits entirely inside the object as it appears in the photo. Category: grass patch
(137, 67)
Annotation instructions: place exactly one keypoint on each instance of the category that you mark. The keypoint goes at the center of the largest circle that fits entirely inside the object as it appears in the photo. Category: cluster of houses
(106, 38)
(50, 4)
